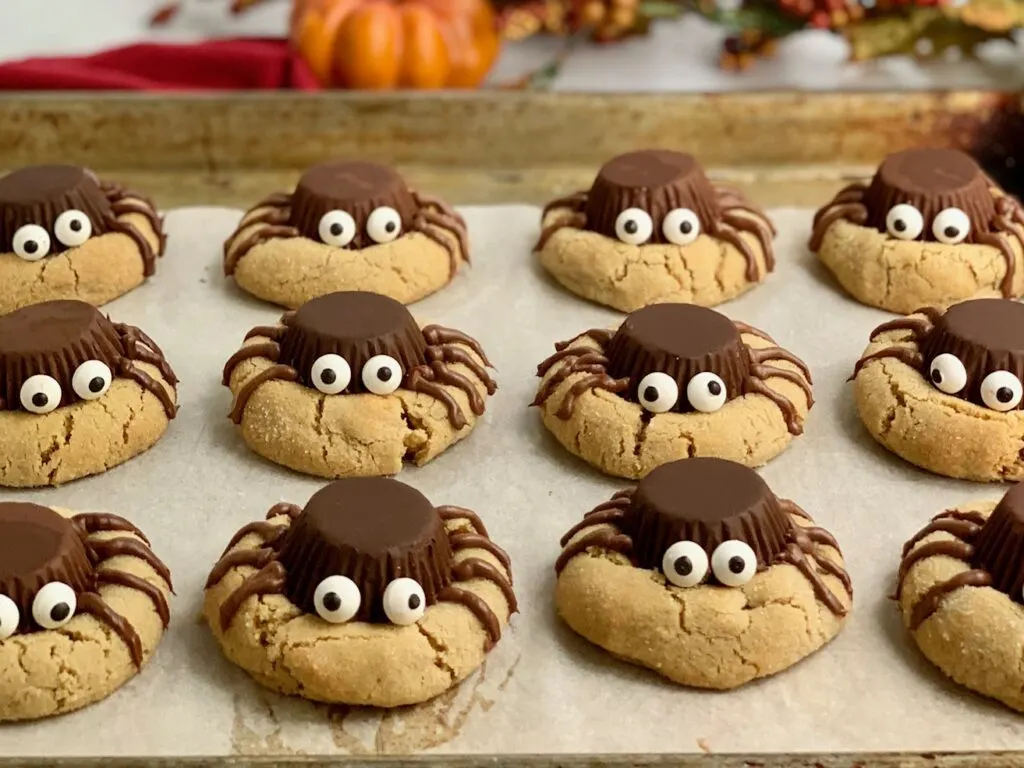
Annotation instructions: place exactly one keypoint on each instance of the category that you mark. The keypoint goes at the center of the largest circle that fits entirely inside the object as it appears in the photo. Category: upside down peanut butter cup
(707, 501)
(373, 531)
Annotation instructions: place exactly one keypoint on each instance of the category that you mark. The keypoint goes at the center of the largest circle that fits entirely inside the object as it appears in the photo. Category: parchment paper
(543, 689)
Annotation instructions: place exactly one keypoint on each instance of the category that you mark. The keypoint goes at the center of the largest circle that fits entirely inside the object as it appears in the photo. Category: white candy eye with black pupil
(681, 226)
(384, 224)
(91, 379)
(331, 374)
(382, 375)
(72, 228)
(404, 602)
(31, 242)
(337, 228)
(706, 392)
(657, 392)
(904, 222)
(685, 564)
(1001, 391)
(40, 394)
(734, 563)
(634, 226)
(337, 599)
(10, 617)
(54, 605)
(951, 226)
(948, 373)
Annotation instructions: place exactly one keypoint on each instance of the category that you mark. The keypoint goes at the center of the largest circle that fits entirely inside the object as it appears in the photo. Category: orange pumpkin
(387, 44)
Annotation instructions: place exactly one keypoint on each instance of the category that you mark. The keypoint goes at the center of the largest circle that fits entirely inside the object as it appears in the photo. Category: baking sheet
(543, 689)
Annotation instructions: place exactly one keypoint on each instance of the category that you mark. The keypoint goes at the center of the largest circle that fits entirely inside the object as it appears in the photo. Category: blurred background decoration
(385, 44)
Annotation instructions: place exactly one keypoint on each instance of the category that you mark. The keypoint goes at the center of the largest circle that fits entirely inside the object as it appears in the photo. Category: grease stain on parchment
(266, 723)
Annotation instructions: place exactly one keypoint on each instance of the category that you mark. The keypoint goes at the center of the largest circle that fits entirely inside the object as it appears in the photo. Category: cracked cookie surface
(358, 662)
(627, 277)
(708, 584)
(975, 634)
(942, 433)
(622, 439)
(51, 672)
(901, 276)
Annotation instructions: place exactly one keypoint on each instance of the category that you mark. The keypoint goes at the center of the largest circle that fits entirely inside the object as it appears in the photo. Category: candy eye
(331, 374)
(706, 392)
(54, 605)
(634, 226)
(681, 226)
(337, 599)
(31, 242)
(10, 617)
(685, 564)
(91, 380)
(657, 392)
(72, 228)
(404, 601)
(1001, 391)
(734, 563)
(951, 226)
(948, 373)
(382, 375)
(337, 228)
(384, 225)
(40, 394)
(904, 222)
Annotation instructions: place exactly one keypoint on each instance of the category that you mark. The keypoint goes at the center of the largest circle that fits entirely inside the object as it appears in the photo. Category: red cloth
(214, 65)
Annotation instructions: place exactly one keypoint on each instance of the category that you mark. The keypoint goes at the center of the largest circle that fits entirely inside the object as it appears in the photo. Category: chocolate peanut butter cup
(38, 197)
(930, 181)
(655, 181)
(999, 545)
(372, 531)
(359, 189)
(708, 502)
(679, 341)
(357, 326)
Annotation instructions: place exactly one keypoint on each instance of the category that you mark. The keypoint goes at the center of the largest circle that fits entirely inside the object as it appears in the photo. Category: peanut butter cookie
(929, 230)
(653, 228)
(79, 394)
(349, 385)
(960, 591)
(368, 595)
(673, 381)
(704, 576)
(64, 234)
(83, 606)
(349, 226)
(943, 389)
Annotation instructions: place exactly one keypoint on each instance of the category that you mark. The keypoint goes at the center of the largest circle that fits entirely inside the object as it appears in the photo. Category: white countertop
(679, 55)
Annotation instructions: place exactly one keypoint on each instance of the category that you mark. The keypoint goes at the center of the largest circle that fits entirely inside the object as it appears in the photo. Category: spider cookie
(930, 229)
(943, 389)
(79, 394)
(960, 591)
(349, 384)
(83, 606)
(64, 234)
(368, 595)
(653, 228)
(673, 381)
(703, 575)
(348, 226)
